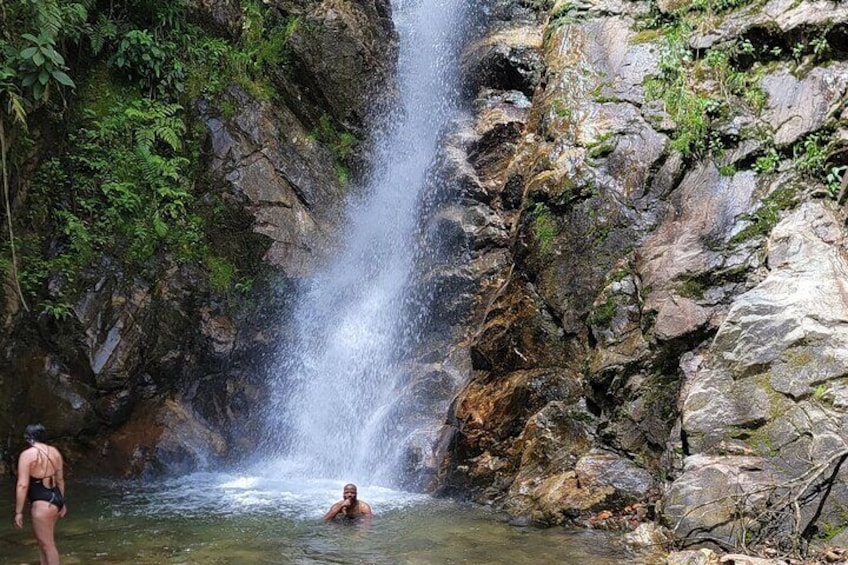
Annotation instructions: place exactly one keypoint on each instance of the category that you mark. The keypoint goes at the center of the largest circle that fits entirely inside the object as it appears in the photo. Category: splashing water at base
(211, 519)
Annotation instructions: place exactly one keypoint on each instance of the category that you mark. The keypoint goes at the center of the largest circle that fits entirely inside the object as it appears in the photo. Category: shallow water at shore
(210, 519)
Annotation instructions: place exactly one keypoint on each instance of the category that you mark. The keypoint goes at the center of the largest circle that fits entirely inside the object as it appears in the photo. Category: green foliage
(126, 193)
(40, 64)
(119, 180)
(340, 143)
(817, 48)
(830, 530)
(103, 31)
(544, 226)
(727, 170)
(699, 91)
(221, 273)
(604, 143)
(263, 44)
(819, 392)
(767, 215)
(718, 6)
(811, 155)
(245, 285)
(32, 31)
(153, 63)
(768, 162)
(29, 68)
(564, 15)
(342, 174)
(57, 310)
(834, 179)
(690, 110)
(691, 288)
(602, 314)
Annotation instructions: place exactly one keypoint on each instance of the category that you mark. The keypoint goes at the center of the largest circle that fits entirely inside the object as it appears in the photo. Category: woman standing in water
(41, 481)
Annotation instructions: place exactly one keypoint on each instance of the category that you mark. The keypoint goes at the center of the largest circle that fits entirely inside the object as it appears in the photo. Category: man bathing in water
(349, 506)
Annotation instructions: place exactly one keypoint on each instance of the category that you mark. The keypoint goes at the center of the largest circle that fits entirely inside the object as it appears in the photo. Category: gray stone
(797, 107)
(717, 496)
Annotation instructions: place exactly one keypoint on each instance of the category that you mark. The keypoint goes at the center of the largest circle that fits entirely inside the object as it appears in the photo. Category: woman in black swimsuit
(42, 482)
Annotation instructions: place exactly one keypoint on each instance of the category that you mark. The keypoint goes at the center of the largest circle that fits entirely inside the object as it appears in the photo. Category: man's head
(349, 492)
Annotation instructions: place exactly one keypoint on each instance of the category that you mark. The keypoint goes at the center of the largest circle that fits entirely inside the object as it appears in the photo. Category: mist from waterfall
(336, 386)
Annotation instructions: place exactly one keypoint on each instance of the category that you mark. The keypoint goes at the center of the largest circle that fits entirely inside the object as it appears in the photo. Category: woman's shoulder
(28, 456)
(54, 453)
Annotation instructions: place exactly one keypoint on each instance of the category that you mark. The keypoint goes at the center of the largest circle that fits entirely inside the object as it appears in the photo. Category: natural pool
(234, 519)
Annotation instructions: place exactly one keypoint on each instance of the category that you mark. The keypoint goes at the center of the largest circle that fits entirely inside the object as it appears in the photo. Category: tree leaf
(38, 58)
(43, 77)
(29, 79)
(159, 226)
(28, 52)
(62, 78)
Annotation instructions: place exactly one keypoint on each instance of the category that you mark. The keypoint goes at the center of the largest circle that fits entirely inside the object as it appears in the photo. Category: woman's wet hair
(34, 433)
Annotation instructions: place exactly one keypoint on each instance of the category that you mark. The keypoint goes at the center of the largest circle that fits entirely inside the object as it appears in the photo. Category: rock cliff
(666, 320)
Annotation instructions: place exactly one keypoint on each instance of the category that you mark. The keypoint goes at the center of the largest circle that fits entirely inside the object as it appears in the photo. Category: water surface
(231, 519)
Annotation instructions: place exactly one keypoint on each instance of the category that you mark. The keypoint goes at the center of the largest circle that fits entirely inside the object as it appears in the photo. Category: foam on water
(204, 494)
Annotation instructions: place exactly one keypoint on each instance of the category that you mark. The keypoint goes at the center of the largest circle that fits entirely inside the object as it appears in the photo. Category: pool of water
(234, 519)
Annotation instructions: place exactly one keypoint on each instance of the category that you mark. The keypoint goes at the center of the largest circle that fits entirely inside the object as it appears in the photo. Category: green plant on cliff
(811, 155)
(767, 215)
(544, 226)
(221, 273)
(340, 143)
(689, 110)
(31, 69)
(699, 89)
(562, 16)
(118, 182)
(835, 178)
(126, 192)
(767, 162)
(602, 314)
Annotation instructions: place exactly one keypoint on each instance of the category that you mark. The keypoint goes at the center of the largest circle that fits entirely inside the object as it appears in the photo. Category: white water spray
(337, 385)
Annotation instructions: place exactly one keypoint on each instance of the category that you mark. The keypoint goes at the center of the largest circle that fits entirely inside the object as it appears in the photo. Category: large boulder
(764, 409)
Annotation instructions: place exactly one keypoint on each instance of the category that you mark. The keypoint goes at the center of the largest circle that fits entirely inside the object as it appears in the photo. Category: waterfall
(336, 386)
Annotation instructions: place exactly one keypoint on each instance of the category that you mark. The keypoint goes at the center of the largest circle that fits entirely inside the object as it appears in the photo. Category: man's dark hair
(34, 433)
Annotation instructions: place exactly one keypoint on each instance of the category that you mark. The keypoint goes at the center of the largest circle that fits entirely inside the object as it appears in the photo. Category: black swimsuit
(37, 491)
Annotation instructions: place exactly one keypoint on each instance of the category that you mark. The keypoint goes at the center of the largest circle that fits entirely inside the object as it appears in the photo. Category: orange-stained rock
(168, 437)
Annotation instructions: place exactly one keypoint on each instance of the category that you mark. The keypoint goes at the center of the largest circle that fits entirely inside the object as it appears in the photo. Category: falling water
(336, 385)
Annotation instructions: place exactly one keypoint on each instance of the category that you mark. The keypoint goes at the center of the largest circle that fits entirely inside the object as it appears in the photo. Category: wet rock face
(282, 177)
(642, 273)
(223, 15)
(506, 61)
(570, 221)
(345, 56)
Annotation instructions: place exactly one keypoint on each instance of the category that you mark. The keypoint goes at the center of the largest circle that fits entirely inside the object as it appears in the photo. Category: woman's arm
(24, 462)
(60, 481)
